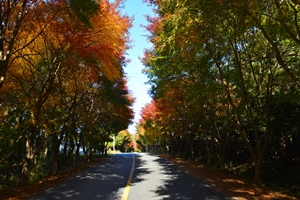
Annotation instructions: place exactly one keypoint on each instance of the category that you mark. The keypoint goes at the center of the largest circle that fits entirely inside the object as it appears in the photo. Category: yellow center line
(127, 188)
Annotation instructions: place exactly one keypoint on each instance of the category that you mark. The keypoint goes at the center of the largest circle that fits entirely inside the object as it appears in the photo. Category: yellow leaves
(53, 53)
(109, 39)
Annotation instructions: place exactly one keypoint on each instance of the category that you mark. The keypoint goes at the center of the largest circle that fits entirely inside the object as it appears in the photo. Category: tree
(18, 16)
(62, 72)
(123, 141)
(232, 48)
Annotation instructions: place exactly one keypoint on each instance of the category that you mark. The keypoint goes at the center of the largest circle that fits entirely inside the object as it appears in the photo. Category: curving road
(131, 176)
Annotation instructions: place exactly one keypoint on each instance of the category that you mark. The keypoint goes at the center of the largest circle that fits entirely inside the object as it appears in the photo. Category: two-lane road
(131, 177)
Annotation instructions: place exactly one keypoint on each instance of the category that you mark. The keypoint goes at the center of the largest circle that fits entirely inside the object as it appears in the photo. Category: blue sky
(136, 80)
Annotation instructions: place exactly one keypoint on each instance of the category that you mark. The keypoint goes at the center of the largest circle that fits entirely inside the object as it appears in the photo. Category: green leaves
(227, 61)
(83, 10)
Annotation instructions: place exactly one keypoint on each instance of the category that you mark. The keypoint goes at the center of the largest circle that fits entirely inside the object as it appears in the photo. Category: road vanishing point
(131, 176)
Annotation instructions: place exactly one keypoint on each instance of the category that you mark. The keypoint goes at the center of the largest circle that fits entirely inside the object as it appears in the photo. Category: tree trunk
(71, 147)
(56, 144)
(222, 155)
(83, 146)
(193, 154)
(25, 172)
(65, 148)
(172, 146)
(77, 151)
(258, 168)
(209, 147)
(55, 154)
(179, 146)
(76, 157)
(27, 161)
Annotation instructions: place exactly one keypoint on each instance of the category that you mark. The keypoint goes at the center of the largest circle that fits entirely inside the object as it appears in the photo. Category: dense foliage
(63, 90)
(225, 83)
(123, 142)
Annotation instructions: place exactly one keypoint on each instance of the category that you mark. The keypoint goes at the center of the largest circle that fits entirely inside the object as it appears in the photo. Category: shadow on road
(154, 178)
(171, 182)
(105, 181)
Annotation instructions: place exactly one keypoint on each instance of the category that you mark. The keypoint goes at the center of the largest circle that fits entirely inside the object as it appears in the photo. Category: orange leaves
(62, 77)
(99, 49)
(110, 35)
(55, 46)
(102, 47)
(149, 111)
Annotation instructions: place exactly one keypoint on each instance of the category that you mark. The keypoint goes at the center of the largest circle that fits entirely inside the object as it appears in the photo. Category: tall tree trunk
(77, 151)
(172, 146)
(258, 159)
(221, 142)
(56, 144)
(65, 148)
(25, 171)
(27, 161)
(209, 147)
(189, 138)
(222, 155)
(179, 146)
(71, 147)
(55, 154)
(83, 146)
(76, 157)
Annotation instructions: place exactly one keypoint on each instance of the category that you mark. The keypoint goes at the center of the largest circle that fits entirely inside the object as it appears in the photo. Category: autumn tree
(123, 141)
(65, 64)
(17, 16)
(242, 51)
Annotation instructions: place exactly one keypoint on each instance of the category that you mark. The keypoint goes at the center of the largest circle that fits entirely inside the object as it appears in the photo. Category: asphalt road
(131, 177)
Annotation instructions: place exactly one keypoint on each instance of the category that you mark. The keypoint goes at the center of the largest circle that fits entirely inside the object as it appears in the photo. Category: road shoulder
(226, 183)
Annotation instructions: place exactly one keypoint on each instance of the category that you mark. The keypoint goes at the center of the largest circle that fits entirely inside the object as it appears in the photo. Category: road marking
(127, 188)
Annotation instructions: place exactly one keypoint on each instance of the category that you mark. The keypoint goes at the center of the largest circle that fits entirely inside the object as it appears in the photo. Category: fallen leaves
(229, 184)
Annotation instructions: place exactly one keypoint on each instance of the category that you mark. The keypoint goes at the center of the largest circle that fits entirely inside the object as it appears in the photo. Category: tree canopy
(221, 73)
(63, 90)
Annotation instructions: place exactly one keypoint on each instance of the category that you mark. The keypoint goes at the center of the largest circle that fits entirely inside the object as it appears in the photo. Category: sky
(136, 79)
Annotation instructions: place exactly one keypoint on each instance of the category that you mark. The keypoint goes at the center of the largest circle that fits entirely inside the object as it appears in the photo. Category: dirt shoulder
(228, 184)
